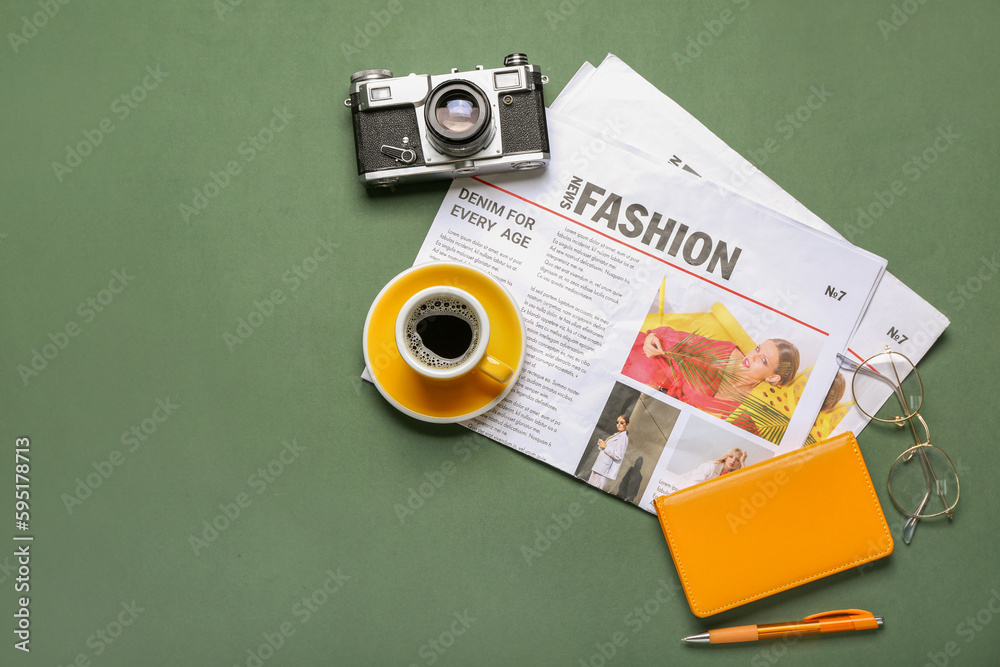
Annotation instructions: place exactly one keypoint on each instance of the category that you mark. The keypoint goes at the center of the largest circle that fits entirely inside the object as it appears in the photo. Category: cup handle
(496, 369)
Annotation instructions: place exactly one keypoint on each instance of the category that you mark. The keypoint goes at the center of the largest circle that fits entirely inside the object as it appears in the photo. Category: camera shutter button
(369, 74)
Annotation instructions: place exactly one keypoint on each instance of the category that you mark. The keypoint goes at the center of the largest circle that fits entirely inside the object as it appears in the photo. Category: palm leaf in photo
(710, 371)
(771, 423)
(702, 364)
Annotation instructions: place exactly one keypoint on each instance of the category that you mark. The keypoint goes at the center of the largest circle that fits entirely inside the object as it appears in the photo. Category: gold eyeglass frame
(919, 449)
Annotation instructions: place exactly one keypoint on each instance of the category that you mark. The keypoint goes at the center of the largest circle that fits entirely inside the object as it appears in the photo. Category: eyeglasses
(923, 482)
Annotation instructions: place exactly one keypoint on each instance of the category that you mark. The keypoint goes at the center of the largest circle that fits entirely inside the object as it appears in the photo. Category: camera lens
(456, 112)
(458, 118)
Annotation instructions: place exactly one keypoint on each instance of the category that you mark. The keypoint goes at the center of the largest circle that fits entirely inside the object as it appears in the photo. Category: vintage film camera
(449, 125)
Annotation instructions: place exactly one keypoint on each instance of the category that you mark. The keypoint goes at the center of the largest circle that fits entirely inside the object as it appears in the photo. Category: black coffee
(447, 336)
(442, 331)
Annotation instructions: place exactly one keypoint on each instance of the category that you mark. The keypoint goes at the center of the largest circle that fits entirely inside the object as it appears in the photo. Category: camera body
(449, 125)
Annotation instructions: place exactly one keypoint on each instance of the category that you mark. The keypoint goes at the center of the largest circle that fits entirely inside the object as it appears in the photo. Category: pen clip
(840, 612)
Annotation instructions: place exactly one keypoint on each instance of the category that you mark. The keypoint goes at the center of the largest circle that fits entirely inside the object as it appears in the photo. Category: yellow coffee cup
(442, 333)
(444, 342)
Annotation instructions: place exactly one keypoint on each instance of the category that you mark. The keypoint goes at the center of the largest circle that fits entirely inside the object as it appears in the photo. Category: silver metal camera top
(377, 91)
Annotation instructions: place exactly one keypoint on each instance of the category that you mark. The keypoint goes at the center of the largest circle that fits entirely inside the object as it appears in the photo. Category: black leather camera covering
(384, 127)
(522, 123)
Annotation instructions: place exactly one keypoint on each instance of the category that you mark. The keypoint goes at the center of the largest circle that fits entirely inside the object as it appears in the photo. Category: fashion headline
(696, 248)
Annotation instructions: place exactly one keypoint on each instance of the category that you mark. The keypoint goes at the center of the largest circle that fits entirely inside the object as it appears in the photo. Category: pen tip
(697, 639)
(879, 620)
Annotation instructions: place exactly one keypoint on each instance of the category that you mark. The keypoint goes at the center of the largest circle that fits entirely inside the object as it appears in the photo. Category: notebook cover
(792, 519)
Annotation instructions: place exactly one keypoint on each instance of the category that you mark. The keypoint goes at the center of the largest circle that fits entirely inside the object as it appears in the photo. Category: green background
(404, 588)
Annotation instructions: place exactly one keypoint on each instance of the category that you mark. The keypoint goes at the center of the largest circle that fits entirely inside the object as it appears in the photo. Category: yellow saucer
(442, 400)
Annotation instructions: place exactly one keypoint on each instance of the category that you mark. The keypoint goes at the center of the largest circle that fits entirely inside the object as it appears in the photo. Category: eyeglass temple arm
(848, 364)
(911, 523)
(932, 479)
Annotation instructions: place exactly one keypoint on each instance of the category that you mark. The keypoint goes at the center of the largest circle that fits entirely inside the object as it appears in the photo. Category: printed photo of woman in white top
(732, 460)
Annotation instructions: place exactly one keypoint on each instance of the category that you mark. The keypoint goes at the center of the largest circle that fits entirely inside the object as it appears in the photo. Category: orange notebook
(775, 525)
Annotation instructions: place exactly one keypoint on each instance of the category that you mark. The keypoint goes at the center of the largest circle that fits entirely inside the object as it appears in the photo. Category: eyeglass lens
(883, 372)
(923, 482)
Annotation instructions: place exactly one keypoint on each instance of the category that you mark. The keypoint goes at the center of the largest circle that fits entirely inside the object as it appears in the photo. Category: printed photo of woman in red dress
(712, 375)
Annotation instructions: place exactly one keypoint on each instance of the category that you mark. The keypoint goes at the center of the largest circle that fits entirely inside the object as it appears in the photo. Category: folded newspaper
(679, 327)
(596, 97)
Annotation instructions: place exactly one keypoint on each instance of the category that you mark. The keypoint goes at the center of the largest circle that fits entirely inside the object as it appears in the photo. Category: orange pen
(841, 620)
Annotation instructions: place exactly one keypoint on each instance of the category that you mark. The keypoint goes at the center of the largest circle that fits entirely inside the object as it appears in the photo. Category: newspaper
(676, 329)
(607, 98)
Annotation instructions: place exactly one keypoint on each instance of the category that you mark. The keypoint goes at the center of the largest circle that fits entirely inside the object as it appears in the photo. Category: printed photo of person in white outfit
(732, 460)
(610, 456)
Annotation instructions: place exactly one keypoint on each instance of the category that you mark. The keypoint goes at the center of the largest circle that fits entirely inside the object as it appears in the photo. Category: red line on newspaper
(862, 359)
(649, 254)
